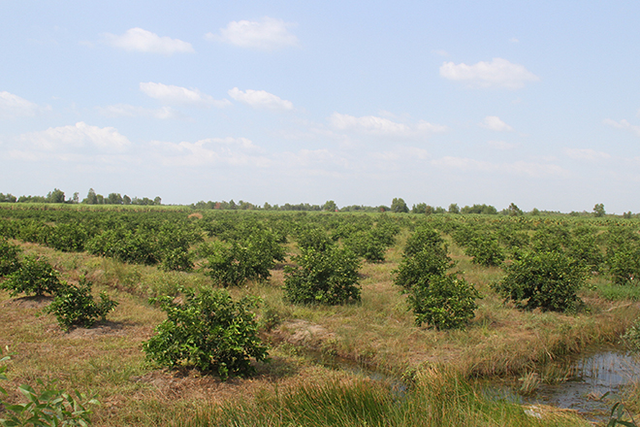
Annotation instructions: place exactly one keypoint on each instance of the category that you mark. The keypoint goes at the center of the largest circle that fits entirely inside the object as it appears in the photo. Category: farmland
(136, 254)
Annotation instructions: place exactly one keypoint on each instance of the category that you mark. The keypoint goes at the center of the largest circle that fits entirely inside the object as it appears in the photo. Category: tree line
(58, 196)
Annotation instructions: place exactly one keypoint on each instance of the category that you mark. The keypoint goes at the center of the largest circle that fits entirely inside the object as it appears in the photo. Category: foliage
(9, 261)
(50, 407)
(35, 276)
(418, 269)
(598, 210)
(367, 246)
(314, 238)
(425, 238)
(398, 205)
(208, 331)
(548, 280)
(443, 301)
(486, 251)
(234, 263)
(325, 277)
(75, 306)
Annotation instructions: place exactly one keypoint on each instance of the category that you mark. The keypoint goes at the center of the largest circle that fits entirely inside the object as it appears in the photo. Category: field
(365, 362)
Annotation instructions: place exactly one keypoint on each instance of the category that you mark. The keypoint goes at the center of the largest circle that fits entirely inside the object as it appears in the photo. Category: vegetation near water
(439, 301)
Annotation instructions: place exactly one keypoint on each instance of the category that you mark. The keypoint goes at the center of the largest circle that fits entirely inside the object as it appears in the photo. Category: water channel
(577, 383)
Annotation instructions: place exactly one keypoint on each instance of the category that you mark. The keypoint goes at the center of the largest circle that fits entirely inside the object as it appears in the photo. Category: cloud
(231, 151)
(139, 40)
(125, 110)
(176, 95)
(266, 34)
(586, 154)
(494, 123)
(517, 168)
(501, 145)
(260, 99)
(379, 126)
(12, 106)
(497, 73)
(77, 136)
(622, 124)
(440, 52)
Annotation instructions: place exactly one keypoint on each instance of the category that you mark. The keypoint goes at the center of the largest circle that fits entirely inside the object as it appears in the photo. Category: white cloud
(260, 99)
(513, 40)
(440, 52)
(125, 110)
(494, 123)
(501, 145)
(379, 126)
(177, 95)
(497, 73)
(623, 124)
(586, 154)
(266, 34)
(14, 106)
(139, 40)
(231, 151)
(77, 136)
(517, 168)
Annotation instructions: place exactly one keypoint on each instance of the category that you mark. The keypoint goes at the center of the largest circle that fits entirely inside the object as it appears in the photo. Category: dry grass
(378, 332)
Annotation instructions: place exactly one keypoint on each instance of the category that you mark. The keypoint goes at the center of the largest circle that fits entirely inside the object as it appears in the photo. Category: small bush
(417, 270)
(443, 301)
(325, 277)
(485, 251)
(548, 280)
(35, 276)
(9, 261)
(209, 331)
(75, 306)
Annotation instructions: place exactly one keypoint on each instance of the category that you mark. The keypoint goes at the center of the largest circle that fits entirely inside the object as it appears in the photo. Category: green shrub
(75, 306)
(443, 301)
(485, 251)
(9, 261)
(208, 331)
(624, 265)
(50, 407)
(426, 238)
(417, 270)
(365, 245)
(35, 276)
(325, 277)
(548, 280)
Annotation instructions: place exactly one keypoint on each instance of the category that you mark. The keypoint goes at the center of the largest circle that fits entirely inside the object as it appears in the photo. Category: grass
(292, 389)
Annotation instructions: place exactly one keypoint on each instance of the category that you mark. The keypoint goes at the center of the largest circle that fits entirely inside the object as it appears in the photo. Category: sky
(438, 102)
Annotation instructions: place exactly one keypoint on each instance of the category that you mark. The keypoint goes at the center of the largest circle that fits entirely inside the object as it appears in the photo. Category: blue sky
(531, 102)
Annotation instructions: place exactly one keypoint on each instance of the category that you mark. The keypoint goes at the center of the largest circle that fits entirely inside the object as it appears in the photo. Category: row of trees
(58, 196)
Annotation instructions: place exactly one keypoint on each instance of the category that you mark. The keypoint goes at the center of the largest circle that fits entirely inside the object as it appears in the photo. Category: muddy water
(579, 383)
(576, 383)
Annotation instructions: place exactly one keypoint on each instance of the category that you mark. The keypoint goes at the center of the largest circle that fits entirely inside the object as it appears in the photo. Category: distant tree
(514, 210)
(267, 206)
(91, 199)
(232, 204)
(330, 206)
(7, 198)
(598, 210)
(157, 200)
(55, 196)
(76, 198)
(398, 205)
(535, 212)
(114, 199)
(126, 200)
(454, 209)
(100, 199)
(420, 208)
